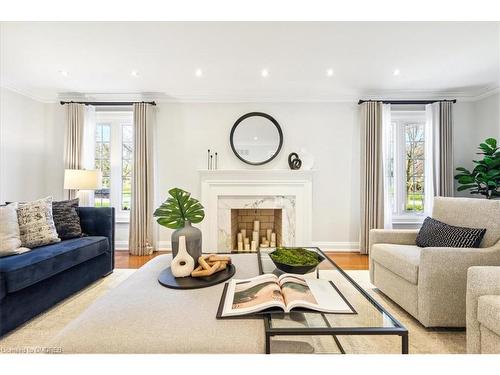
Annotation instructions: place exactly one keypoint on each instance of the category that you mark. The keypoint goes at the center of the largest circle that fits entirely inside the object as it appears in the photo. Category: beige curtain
(372, 178)
(74, 139)
(141, 240)
(444, 182)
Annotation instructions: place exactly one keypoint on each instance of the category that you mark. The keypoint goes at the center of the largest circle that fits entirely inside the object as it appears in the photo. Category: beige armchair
(483, 310)
(430, 283)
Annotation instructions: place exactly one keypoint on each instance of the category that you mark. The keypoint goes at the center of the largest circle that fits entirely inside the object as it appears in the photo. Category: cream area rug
(36, 335)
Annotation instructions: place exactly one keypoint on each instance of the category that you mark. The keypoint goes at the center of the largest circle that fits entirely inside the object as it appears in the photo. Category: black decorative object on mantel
(294, 162)
(211, 161)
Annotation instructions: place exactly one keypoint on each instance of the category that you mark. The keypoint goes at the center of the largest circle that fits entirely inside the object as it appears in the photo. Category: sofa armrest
(393, 236)
(99, 221)
(442, 276)
(480, 281)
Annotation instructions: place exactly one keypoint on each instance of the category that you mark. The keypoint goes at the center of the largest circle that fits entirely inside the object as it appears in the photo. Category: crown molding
(27, 93)
(160, 97)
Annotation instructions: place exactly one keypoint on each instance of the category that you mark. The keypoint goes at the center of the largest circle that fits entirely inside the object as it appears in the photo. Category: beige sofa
(430, 283)
(483, 310)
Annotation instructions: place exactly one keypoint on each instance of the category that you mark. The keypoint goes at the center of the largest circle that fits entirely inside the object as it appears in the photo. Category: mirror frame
(253, 114)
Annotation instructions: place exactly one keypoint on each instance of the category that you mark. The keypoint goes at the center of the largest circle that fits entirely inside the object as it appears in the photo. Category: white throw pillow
(10, 239)
(36, 224)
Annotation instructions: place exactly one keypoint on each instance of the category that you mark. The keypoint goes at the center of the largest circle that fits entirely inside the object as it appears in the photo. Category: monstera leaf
(178, 209)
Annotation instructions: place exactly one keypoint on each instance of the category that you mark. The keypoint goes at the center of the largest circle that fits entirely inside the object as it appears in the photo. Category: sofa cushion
(403, 260)
(488, 312)
(20, 271)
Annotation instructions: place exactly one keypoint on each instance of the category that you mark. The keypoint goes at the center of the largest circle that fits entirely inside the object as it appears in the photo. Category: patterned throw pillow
(435, 233)
(36, 224)
(66, 219)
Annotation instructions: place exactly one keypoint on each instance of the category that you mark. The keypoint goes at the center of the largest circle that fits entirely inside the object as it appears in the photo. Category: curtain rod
(107, 103)
(361, 101)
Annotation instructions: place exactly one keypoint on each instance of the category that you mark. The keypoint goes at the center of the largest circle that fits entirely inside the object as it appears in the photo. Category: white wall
(32, 139)
(330, 131)
(23, 147)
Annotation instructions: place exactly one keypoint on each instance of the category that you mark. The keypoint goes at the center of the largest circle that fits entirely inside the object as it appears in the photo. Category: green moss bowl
(296, 260)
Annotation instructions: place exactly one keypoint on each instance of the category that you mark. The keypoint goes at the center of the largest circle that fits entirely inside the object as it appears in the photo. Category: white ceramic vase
(183, 263)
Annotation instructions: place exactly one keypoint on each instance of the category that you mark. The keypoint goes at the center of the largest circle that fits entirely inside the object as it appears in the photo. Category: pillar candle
(254, 246)
(268, 234)
(246, 241)
(255, 236)
(256, 225)
(243, 233)
(273, 237)
(240, 237)
(247, 247)
(273, 244)
(264, 239)
(240, 246)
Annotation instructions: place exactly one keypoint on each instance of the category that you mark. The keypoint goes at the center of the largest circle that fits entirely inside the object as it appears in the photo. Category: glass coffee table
(371, 319)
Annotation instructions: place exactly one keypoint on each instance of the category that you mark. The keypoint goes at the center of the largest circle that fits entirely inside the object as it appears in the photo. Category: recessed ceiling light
(264, 73)
(396, 72)
(198, 73)
(255, 138)
(329, 72)
(134, 73)
(63, 73)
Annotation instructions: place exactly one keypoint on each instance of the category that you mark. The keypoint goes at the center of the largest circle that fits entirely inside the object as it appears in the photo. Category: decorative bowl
(300, 269)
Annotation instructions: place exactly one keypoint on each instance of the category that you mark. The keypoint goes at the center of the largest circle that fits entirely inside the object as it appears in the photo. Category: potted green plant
(484, 179)
(178, 212)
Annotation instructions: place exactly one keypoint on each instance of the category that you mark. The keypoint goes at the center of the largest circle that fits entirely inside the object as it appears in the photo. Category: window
(406, 165)
(114, 157)
(102, 162)
(126, 166)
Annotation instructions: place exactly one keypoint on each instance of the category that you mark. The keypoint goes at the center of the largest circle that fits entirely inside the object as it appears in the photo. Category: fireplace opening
(254, 228)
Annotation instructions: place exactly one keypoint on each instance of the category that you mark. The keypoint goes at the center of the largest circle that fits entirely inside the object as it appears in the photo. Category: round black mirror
(256, 138)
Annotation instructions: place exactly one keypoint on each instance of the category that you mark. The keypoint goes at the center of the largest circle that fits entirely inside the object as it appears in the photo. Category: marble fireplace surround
(288, 190)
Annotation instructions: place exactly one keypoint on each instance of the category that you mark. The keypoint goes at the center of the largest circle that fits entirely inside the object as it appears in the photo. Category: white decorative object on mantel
(183, 263)
(223, 190)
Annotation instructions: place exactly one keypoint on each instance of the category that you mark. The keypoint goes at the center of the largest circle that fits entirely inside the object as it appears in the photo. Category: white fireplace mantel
(256, 183)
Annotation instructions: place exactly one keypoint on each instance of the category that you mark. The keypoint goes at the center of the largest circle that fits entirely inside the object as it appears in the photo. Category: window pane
(127, 151)
(106, 133)
(105, 151)
(126, 133)
(127, 147)
(415, 166)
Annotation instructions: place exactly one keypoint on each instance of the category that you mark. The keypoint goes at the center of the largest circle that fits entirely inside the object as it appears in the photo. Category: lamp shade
(81, 179)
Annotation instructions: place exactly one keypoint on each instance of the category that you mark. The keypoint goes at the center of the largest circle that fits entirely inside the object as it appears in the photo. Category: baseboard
(121, 245)
(337, 246)
(164, 245)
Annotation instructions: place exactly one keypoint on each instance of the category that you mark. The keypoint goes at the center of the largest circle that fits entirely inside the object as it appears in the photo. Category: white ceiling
(435, 59)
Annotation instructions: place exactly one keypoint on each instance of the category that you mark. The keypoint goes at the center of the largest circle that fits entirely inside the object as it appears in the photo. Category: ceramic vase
(193, 241)
(183, 263)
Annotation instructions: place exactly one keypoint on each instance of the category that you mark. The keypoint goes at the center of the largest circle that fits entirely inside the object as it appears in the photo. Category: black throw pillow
(435, 233)
(66, 219)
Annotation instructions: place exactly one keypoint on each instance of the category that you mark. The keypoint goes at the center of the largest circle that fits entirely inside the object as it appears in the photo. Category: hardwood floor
(346, 260)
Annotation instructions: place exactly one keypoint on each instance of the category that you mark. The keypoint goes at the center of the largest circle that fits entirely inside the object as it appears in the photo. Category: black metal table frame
(398, 330)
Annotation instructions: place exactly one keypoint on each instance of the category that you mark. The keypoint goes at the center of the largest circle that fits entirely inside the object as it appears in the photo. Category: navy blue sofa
(32, 282)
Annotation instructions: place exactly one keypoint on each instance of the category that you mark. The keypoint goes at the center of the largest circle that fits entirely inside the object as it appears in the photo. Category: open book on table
(270, 293)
